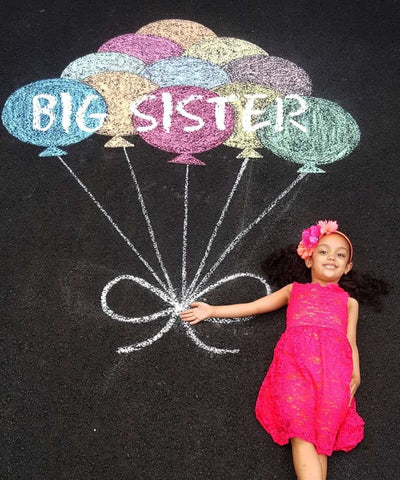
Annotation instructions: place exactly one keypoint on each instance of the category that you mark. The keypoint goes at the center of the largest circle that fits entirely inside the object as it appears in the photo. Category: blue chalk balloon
(53, 113)
(93, 63)
(186, 71)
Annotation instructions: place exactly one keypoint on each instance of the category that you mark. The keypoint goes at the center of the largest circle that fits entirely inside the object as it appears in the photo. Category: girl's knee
(299, 444)
(300, 441)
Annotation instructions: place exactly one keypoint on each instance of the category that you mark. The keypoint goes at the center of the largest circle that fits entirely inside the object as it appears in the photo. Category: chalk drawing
(186, 71)
(118, 230)
(142, 283)
(174, 135)
(184, 91)
(148, 48)
(196, 289)
(148, 223)
(185, 231)
(271, 72)
(172, 313)
(119, 89)
(223, 50)
(149, 341)
(326, 133)
(218, 225)
(183, 32)
(167, 292)
(93, 63)
(51, 113)
(239, 237)
(227, 279)
(251, 101)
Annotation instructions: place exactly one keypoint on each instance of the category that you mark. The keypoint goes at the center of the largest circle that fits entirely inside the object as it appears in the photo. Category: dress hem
(282, 440)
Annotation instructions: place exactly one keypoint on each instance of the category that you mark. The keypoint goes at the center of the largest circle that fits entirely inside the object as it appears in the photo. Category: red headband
(312, 235)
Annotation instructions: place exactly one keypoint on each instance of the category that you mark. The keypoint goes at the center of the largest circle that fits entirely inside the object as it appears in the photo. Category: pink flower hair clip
(312, 235)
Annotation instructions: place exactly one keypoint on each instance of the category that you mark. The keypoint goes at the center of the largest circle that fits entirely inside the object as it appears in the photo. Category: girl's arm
(351, 335)
(200, 310)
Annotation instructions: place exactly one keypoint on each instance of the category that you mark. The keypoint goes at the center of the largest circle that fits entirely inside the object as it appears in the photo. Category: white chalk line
(173, 312)
(148, 223)
(108, 217)
(191, 334)
(244, 232)
(185, 231)
(142, 283)
(218, 225)
(149, 341)
(230, 278)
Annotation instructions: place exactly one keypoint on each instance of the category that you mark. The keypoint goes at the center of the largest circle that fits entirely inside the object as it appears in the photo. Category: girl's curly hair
(284, 266)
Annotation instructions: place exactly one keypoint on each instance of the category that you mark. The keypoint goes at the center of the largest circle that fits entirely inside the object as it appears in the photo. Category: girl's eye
(323, 252)
(342, 255)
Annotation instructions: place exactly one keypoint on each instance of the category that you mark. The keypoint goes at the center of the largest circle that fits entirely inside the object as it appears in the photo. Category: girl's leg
(324, 464)
(306, 461)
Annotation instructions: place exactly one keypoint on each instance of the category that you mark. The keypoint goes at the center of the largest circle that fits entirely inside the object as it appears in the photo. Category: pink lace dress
(306, 390)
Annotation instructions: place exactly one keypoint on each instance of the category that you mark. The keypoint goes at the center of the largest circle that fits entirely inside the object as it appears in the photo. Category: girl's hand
(199, 312)
(354, 384)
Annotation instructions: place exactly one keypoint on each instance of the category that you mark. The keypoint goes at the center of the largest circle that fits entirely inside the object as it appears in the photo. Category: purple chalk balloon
(147, 48)
(184, 120)
(273, 72)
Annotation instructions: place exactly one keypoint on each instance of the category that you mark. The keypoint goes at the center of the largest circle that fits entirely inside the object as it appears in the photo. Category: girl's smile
(330, 259)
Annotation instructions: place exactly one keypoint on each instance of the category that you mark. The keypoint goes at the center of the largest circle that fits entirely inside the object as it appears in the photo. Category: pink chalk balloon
(184, 120)
(148, 48)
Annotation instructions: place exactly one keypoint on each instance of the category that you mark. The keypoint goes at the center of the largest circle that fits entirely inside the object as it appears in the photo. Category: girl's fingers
(191, 315)
(193, 305)
(353, 389)
(195, 322)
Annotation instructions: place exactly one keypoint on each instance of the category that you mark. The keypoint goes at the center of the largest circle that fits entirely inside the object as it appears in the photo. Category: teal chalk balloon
(53, 113)
(309, 131)
(186, 71)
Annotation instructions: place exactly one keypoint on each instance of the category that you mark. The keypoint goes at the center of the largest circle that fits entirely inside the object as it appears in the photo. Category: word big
(43, 106)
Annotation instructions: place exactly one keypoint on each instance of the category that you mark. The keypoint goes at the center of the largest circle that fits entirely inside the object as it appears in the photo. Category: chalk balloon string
(239, 237)
(218, 225)
(115, 226)
(148, 223)
(196, 289)
(185, 231)
(172, 313)
(165, 291)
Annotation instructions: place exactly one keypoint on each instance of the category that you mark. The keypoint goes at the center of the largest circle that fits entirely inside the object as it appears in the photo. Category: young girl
(307, 396)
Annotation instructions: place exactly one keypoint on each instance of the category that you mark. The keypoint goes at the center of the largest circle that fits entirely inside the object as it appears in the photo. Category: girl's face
(330, 259)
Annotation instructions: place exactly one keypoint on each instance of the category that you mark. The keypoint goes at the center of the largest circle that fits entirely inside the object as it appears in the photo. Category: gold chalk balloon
(222, 50)
(251, 98)
(119, 90)
(183, 32)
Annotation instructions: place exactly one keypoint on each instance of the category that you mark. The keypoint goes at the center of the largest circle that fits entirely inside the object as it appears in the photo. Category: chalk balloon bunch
(183, 90)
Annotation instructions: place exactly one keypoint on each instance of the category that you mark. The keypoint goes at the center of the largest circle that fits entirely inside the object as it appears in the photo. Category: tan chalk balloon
(222, 50)
(245, 107)
(119, 90)
(183, 32)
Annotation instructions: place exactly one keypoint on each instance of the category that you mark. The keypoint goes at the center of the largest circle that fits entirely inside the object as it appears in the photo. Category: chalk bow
(175, 306)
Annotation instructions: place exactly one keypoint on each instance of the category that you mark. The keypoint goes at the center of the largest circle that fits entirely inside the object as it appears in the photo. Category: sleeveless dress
(306, 390)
